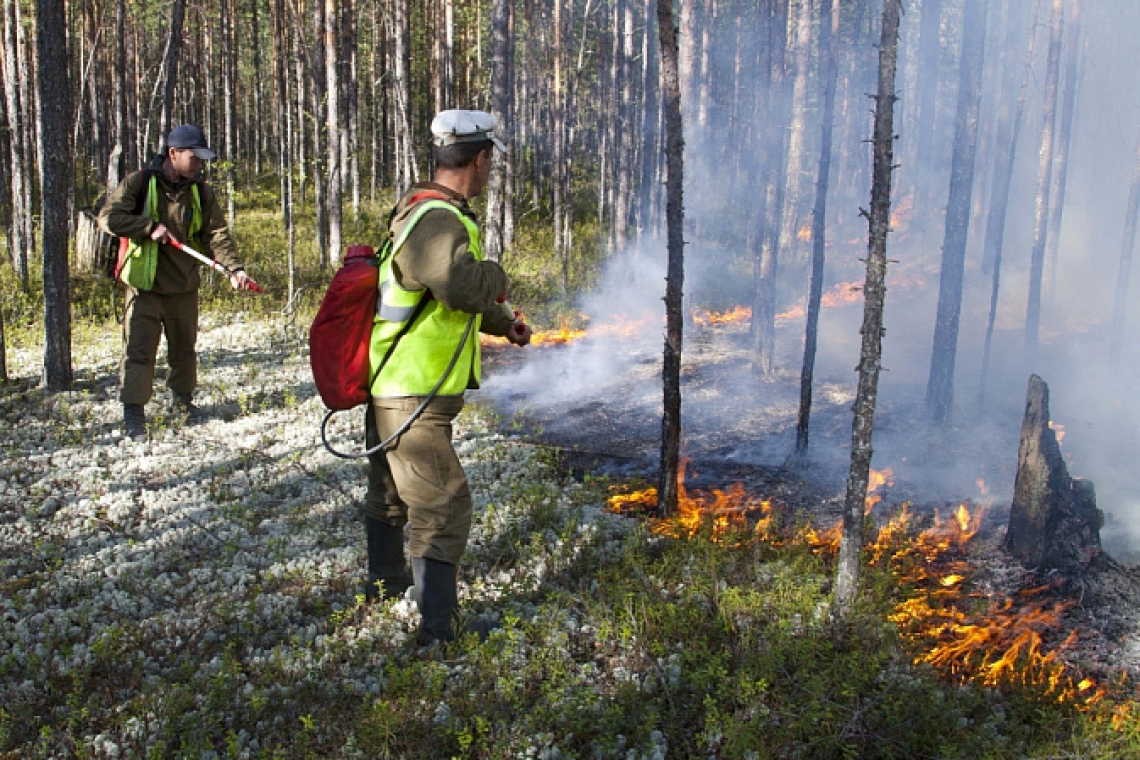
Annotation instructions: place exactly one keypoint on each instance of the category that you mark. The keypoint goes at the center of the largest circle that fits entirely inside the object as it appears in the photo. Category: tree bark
(999, 201)
(1044, 185)
(790, 212)
(874, 294)
(1054, 522)
(766, 267)
(674, 281)
(829, 17)
(1124, 272)
(1064, 138)
(501, 10)
(19, 232)
(170, 65)
(940, 385)
(334, 128)
(229, 104)
(57, 180)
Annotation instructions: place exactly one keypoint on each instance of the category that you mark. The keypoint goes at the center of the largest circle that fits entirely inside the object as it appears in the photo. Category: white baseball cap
(459, 126)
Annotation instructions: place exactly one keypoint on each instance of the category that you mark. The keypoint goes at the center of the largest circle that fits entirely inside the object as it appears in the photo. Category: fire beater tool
(251, 285)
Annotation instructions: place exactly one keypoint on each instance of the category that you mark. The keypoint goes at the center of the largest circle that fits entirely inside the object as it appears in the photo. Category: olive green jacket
(176, 272)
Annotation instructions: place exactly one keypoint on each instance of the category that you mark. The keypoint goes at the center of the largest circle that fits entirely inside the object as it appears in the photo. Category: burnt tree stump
(1054, 522)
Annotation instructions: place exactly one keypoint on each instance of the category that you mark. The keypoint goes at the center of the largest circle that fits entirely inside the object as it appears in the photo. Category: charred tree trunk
(674, 281)
(940, 386)
(1044, 185)
(57, 180)
(829, 17)
(874, 293)
(1054, 522)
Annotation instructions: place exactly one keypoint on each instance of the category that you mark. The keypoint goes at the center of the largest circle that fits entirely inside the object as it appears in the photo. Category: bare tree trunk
(999, 200)
(1124, 273)
(924, 139)
(170, 64)
(229, 103)
(1044, 184)
(874, 294)
(763, 327)
(19, 233)
(285, 140)
(558, 157)
(829, 17)
(117, 168)
(57, 180)
(1064, 138)
(674, 281)
(940, 385)
(789, 214)
(334, 127)
(500, 108)
(407, 171)
(318, 85)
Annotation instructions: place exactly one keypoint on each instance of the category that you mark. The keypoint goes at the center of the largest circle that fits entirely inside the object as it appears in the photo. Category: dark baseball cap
(190, 136)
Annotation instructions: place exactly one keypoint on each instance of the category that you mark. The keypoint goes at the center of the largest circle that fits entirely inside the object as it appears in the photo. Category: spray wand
(250, 284)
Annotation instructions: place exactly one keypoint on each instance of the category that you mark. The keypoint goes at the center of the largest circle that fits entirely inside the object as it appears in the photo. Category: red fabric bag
(341, 334)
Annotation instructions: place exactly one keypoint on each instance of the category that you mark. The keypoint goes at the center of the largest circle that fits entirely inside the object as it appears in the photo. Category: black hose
(407, 423)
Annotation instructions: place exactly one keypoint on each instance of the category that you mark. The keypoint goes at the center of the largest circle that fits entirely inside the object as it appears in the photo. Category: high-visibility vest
(423, 352)
(141, 258)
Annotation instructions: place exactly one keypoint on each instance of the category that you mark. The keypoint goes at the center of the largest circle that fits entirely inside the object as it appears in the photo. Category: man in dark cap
(150, 208)
(437, 292)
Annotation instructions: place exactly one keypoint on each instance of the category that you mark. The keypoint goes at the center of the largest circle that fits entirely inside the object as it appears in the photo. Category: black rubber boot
(437, 597)
(183, 403)
(134, 421)
(386, 564)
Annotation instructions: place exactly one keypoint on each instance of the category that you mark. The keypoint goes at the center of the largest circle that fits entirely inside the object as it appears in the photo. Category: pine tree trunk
(57, 179)
(407, 171)
(674, 281)
(829, 17)
(170, 64)
(1064, 138)
(334, 128)
(558, 156)
(999, 200)
(940, 385)
(229, 104)
(874, 293)
(285, 140)
(493, 247)
(773, 184)
(1124, 272)
(19, 239)
(789, 213)
(925, 137)
(1044, 184)
(117, 168)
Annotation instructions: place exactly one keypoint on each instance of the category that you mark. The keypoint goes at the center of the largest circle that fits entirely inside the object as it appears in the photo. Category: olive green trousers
(146, 318)
(417, 479)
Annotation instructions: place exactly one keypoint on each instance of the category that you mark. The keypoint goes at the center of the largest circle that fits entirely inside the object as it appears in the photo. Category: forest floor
(194, 593)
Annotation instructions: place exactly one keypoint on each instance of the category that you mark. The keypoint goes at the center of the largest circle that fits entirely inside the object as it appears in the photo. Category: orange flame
(708, 318)
(728, 511)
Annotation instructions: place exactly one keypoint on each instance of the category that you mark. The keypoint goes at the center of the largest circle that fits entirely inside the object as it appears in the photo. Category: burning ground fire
(965, 634)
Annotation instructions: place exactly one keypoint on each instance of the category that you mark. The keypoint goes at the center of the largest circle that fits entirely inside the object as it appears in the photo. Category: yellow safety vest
(141, 260)
(423, 353)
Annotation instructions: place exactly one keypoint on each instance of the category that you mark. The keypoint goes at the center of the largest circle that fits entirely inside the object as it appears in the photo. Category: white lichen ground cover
(203, 582)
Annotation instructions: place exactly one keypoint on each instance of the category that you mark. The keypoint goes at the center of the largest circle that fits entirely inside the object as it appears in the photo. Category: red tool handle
(251, 285)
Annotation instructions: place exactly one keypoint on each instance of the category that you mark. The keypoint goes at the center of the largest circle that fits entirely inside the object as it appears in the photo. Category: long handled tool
(251, 285)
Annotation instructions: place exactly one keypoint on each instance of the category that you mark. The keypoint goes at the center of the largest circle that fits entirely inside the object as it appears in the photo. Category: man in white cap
(148, 208)
(436, 293)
